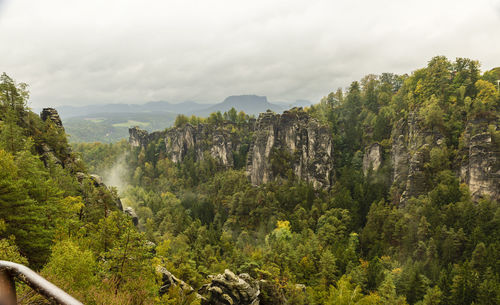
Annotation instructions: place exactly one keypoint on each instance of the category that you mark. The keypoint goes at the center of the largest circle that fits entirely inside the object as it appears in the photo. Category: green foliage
(181, 120)
(351, 244)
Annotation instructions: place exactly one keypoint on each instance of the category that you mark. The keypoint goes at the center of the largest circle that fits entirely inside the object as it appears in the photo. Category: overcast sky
(97, 51)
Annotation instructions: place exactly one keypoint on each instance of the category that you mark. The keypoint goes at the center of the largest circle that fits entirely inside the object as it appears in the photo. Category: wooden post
(7, 288)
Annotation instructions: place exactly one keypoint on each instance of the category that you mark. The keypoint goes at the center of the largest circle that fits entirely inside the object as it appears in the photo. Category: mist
(117, 174)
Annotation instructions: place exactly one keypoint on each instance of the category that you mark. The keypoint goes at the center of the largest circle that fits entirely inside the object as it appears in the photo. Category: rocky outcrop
(308, 144)
(372, 158)
(168, 280)
(411, 146)
(51, 114)
(229, 289)
(140, 138)
(477, 164)
(47, 154)
(223, 289)
(480, 164)
(97, 182)
(131, 213)
(217, 140)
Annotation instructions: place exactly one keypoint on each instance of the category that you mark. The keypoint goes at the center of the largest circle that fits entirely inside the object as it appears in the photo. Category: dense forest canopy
(369, 238)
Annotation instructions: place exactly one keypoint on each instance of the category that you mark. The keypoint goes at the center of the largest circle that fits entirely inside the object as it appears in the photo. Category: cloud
(94, 51)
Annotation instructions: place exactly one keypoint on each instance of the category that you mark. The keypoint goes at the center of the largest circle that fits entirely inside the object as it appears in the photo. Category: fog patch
(117, 174)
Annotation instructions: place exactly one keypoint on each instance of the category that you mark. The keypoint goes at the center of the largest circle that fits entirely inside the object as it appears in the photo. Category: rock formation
(411, 145)
(51, 113)
(46, 152)
(229, 289)
(139, 137)
(480, 164)
(131, 213)
(218, 141)
(309, 145)
(295, 141)
(372, 158)
(168, 280)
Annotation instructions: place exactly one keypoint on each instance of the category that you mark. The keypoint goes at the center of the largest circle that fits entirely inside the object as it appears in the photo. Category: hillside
(386, 193)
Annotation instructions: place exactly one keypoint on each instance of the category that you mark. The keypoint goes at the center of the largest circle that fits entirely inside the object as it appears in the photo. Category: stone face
(411, 146)
(51, 113)
(477, 165)
(217, 141)
(480, 168)
(47, 153)
(228, 288)
(309, 145)
(372, 158)
(97, 180)
(399, 154)
(130, 212)
(168, 280)
(139, 137)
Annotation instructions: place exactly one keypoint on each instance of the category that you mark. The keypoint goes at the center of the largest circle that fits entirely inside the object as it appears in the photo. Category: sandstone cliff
(411, 146)
(477, 166)
(480, 164)
(372, 158)
(307, 145)
(219, 141)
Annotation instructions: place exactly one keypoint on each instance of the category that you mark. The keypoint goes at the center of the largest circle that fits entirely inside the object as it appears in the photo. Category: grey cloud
(98, 51)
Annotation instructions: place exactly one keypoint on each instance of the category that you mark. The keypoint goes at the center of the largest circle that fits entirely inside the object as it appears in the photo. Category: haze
(90, 52)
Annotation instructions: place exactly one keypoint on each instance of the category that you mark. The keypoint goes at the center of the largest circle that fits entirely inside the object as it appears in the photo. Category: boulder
(228, 289)
(168, 280)
(130, 212)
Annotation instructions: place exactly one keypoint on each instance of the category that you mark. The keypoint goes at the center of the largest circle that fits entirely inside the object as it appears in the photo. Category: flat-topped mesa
(291, 140)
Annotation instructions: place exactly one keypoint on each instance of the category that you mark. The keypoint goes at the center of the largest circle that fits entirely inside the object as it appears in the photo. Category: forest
(357, 241)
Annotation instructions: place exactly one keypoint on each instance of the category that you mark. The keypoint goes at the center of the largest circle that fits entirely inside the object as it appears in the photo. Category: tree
(12, 136)
(181, 120)
(13, 95)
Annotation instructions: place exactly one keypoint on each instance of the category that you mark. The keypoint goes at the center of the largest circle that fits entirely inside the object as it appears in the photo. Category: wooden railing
(10, 271)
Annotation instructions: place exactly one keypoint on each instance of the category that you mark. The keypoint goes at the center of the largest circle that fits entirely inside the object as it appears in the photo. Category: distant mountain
(250, 104)
(110, 122)
(297, 103)
(160, 106)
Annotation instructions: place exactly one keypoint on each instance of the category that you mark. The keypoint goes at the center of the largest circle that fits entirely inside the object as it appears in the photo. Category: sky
(101, 51)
